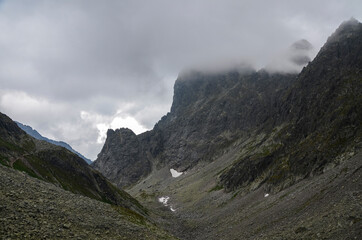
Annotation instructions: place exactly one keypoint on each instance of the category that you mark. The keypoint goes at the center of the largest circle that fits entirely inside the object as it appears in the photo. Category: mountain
(206, 116)
(123, 143)
(248, 143)
(211, 112)
(319, 116)
(63, 197)
(35, 134)
(56, 165)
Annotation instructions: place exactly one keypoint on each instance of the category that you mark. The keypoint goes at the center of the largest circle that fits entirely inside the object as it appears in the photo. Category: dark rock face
(308, 121)
(322, 112)
(57, 165)
(8, 128)
(122, 159)
(210, 112)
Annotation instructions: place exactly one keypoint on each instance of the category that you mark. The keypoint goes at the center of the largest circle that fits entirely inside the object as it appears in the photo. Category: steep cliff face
(320, 117)
(285, 126)
(123, 144)
(209, 113)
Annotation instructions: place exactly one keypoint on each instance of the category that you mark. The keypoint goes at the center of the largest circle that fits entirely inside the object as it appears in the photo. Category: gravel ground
(33, 209)
(327, 206)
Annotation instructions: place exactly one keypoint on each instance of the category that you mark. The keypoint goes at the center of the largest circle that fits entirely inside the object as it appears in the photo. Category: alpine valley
(242, 154)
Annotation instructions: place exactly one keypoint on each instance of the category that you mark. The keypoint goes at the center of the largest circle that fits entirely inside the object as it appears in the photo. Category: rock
(67, 225)
(122, 159)
(300, 230)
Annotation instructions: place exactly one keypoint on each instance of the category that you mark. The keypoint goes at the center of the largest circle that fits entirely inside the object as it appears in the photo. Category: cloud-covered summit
(70, 69)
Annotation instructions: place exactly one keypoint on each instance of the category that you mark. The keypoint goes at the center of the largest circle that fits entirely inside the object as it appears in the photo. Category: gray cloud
(119, 59)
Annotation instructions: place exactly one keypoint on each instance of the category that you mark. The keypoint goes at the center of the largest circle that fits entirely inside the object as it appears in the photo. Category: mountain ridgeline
(280, 127)
(35, 134)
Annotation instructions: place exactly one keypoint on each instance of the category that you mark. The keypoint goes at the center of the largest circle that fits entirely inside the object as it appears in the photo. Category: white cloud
(119, 120)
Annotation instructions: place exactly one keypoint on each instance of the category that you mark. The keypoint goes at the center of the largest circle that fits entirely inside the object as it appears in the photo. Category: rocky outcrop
(122, 159)
(320, 116)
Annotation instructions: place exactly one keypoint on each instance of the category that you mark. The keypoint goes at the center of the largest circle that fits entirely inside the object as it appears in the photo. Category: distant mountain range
(35, 134)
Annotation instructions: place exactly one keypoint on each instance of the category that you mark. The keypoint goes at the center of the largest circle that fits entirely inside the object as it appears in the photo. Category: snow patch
(174, 173)
(164, 200)
(266, 195)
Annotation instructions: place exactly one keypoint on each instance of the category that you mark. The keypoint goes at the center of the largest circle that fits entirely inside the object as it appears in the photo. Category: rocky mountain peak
(122, 154)
(119, 136)
(342, 50)
(346, 30)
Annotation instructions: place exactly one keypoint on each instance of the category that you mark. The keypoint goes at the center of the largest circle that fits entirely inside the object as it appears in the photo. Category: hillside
(35, 134)
(34, 209)
(57, 165)
(56, 194)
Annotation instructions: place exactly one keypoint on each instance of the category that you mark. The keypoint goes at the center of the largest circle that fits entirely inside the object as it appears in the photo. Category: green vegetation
(144, 195)
(10, 147)
(19, 165)
(235, 194)
(130, 215)
(4, 161)
(28, 145)
(216, 188)
(268, 150)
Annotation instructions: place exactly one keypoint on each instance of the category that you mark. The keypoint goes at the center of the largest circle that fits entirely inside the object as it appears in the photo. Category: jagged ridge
(305, 122)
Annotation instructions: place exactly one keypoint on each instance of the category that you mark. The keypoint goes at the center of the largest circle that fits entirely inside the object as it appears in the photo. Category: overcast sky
(73, 69)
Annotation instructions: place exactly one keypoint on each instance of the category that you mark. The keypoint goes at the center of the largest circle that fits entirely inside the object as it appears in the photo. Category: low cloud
(119, 59)
(293, 59)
